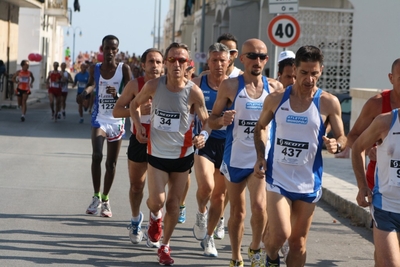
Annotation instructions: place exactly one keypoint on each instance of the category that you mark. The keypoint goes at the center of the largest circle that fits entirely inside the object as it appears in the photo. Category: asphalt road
(45, 188)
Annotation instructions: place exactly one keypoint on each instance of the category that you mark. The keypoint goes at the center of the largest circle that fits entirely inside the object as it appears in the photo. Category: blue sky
(132, 21)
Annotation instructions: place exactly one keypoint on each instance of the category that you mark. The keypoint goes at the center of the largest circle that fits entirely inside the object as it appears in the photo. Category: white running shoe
(94, 206)
(135, 231)
(106, 209)
(209, 246)
(200, 227)
(285, 250)
(219, 231)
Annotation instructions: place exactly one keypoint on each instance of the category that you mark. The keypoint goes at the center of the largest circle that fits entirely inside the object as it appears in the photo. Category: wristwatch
(338, 148)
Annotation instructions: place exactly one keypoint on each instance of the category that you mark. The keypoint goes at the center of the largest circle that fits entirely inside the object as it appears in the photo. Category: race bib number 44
(394, 173)
(246, 129)
(291, 152)
(167, 121)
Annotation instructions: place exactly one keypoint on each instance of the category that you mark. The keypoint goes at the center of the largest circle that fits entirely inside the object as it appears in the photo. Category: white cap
(286, 54)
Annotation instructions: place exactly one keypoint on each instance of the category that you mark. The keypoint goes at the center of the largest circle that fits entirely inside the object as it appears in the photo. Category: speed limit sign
(283, 30)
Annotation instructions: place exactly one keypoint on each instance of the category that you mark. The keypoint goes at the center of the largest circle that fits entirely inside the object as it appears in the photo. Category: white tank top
(294, 161)
(171, 122)
(239, 146)
(386, 192)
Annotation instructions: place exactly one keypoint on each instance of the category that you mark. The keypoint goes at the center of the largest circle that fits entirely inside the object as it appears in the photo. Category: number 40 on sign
(283, 30)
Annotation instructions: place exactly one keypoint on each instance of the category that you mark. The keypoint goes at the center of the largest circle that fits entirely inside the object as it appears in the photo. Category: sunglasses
(181, 60)
(254, 56)
(233, 51)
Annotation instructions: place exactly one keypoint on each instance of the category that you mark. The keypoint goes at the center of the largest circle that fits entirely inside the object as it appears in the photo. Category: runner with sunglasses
(175, 99)
(231, 42)
(242, 99)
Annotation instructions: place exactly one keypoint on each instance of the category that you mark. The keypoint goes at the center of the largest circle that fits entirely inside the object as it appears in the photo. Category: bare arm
(199, 105)
(121, 108)
(224, 99)
(330, 107)
(260, 131)
(32, 79)
(377, 131)
(14, 78)
(141, 98)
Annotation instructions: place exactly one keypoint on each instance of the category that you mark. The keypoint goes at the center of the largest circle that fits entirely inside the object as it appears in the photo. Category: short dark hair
(143, 58)
(309, 53)
(284, 63)
(23, 62)
(176, 45)
(228, 37)
(109, 37)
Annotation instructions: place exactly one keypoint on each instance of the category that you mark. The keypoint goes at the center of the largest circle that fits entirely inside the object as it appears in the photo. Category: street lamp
(73, 40)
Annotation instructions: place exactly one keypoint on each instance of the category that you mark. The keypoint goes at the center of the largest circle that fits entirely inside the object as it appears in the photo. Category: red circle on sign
(276, 20)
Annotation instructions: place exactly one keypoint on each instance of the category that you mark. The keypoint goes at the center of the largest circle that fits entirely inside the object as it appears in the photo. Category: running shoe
(58, 116)
(234, 263)
(63, 113)
(135, 230)
(219, 231)
(106, 209)
(94, 206)
(153, 232)
(256, 258)
(182, 214)
(209, 246)
(200, 227)
(22, 118)
(285, 250)
(81, 120)
(273, 263)
(164, 256)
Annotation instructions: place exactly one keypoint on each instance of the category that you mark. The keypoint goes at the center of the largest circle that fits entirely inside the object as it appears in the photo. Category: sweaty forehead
(255, 47)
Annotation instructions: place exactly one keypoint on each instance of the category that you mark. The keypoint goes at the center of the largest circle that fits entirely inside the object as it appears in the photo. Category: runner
(54, 89)
(24, 80)
(82, 79)
(109, 78)
(170, 148)
(65, 79)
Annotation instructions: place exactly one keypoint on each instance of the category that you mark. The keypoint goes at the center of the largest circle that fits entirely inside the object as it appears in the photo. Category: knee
(237, 214)
(258, 208)
(97, 157)
(172, 207)
(136, 188)
(111, 165)
(297, 245)
(204, 190)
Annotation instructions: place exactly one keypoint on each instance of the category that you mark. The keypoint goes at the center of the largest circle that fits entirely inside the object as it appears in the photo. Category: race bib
(245, 130)
(24, 79)
(167, 121)
(54, 85)
(394, 173)
(291, 152)
(82, 84)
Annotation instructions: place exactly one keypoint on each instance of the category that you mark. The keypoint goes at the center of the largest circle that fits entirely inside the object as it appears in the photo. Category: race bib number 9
(394, 173)
(291, 152)
(167, 121)
(246, 129)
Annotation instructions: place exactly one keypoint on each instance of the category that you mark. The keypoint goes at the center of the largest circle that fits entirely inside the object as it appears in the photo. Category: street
(45, 187)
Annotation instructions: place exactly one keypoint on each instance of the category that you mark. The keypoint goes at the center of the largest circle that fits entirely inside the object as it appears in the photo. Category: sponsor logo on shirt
(254, 106)
(296, 119)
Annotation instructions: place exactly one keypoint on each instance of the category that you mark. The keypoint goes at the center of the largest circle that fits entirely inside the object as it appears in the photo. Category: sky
(132, 21)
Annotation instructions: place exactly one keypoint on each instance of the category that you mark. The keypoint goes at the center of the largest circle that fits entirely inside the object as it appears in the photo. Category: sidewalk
(35, 97)
(340, 189)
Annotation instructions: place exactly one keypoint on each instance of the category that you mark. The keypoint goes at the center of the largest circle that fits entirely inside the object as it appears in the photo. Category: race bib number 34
(167, 121)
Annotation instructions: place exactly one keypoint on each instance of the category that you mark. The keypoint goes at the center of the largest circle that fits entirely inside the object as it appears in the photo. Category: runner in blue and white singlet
(104, 102)
(239, 147)
(295, 139)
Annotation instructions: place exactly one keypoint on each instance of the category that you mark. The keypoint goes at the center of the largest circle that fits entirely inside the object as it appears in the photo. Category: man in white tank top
(108, 78)
(293, 165)
(243, 97)
(384, 200)
(170, 151)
